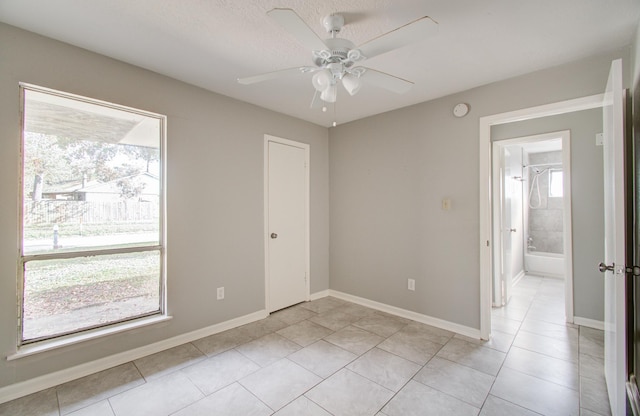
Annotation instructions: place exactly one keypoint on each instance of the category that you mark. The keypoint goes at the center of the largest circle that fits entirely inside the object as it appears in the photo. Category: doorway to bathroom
(532, 226)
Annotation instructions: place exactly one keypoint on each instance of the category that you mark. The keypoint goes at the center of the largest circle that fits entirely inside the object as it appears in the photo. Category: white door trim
(273, 139)
(486, 244)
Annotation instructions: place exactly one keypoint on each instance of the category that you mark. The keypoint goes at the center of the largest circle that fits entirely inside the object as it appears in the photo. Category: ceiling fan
(336, 59)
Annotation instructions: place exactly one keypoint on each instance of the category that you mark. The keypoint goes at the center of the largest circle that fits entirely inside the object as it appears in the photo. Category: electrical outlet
(411, 284)
(220, 293)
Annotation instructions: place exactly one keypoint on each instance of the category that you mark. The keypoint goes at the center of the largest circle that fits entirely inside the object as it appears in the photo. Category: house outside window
(92, 214)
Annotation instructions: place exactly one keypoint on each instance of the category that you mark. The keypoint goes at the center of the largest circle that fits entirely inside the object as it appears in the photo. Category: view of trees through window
(91, 214)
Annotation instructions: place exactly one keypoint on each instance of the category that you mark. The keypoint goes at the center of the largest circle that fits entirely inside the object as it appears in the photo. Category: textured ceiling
(210, 43)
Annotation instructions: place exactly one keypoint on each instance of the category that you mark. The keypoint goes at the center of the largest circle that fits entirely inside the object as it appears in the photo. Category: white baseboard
(518, 277)
(46, 381)
(403, 313)
(590, 323)
(318, 295)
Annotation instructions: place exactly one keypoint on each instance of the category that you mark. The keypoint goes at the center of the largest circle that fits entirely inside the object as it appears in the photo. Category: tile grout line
(512, 345)
(395, 393)
(359, 356)
(505, 359)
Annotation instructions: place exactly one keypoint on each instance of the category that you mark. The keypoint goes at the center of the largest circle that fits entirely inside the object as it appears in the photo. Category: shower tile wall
(545, 222)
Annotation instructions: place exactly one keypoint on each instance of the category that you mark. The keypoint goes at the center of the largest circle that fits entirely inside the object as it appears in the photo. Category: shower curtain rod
(542, 164)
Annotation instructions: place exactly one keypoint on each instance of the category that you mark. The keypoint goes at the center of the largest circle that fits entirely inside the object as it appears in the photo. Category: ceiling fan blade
(293, 24)
(386, 81)
(402, 36)
(275, 74)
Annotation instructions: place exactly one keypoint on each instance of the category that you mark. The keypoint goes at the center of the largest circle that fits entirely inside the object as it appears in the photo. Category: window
(555, 183)
(91, 249)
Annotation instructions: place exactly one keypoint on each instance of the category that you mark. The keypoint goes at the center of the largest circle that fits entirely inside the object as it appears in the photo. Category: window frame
(160, 247)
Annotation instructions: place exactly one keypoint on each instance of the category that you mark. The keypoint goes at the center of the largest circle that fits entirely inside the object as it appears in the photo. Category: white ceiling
(210, 43)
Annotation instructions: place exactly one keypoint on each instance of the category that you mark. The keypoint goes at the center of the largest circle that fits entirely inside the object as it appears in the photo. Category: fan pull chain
(334, 115)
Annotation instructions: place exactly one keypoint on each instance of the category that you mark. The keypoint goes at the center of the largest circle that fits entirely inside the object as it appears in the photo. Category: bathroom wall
(545, 213)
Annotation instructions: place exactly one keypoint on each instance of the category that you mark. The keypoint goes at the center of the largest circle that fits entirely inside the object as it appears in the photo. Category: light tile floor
(330, 357)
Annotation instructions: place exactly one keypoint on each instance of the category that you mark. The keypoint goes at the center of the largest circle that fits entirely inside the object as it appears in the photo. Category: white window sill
(52, 344)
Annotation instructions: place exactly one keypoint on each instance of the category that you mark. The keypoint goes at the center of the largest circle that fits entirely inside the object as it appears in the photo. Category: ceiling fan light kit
(351, 83)
(335, 58)
(330, 93)
(322, 79)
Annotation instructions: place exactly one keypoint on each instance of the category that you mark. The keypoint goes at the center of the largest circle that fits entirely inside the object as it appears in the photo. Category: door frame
(567, 227)
(307, 150)
(486, 197)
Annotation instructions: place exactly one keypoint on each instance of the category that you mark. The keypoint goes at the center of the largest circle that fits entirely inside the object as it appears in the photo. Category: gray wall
(389, 173)
(214, 183)
(587, 201)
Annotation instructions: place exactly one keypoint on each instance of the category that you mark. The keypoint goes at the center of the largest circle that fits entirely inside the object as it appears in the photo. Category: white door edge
(615, 358)
(306, 147)
(498, 252)
(486, 243)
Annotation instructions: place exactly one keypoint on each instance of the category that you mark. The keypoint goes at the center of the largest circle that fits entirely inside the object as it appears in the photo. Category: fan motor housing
(339, 49)
(333, 23)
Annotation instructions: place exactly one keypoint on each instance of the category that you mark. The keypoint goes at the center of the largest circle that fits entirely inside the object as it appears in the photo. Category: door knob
(604, 268)
(274, 235)
(513, 230)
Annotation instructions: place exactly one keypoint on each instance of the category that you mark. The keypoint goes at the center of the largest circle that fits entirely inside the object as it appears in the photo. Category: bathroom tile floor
(331, 357)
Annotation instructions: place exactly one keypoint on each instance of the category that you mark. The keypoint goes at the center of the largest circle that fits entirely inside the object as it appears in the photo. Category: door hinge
(634, 270)
(633, 395)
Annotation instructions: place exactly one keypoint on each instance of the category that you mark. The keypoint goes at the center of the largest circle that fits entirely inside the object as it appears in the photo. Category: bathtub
(546, 264)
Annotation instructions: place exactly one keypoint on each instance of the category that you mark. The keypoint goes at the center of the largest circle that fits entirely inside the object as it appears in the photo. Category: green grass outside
(63, 286)
(36, 232)
(44, 275)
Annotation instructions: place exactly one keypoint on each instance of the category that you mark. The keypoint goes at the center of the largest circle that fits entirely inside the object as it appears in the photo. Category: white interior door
(498, 226)
(287, 219)
(509, 220)
(515, 226)
(507, 228)
(614, 212)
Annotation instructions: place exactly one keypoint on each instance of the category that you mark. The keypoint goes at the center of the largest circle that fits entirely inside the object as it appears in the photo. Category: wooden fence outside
(89, 212)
